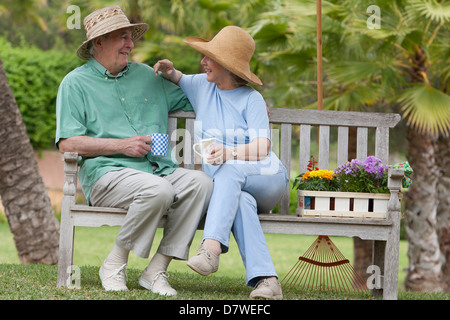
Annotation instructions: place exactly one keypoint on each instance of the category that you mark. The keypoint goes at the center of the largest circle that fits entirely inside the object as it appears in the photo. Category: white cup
(205, 146)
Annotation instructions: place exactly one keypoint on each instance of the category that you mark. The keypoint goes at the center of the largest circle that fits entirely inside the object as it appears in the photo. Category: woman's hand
(217, 155)
(168, 71)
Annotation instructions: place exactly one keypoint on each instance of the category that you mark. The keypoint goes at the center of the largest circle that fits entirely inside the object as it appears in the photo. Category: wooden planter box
(342, 204)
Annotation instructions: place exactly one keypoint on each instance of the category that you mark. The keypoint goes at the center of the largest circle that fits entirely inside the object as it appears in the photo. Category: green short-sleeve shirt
(93, 103)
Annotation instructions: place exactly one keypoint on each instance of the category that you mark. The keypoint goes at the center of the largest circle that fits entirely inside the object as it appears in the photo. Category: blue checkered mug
(160, 144)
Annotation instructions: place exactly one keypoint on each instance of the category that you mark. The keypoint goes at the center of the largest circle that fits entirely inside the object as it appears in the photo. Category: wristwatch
(234, 153)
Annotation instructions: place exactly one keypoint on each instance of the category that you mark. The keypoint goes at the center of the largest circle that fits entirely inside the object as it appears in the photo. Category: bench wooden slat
(305, 144)
(188, 153)
(171, 130)
(180, 114)
(342, 152)
(333, 118)
(91, 209)
(368, 229)
(361, 143)
(285, 158)
(294, 218)
(324, 147)
(382, 144)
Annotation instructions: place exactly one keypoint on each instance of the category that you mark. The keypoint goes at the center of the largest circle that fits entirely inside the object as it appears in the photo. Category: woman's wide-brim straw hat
(106, 20)
(232, 48)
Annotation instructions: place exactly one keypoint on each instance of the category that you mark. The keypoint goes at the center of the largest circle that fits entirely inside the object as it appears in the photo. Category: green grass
(38, 282)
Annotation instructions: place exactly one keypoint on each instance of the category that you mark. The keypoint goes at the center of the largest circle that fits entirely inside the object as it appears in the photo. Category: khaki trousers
(184, 195)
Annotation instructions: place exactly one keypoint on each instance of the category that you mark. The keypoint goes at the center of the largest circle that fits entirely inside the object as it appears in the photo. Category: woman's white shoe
(205, 262)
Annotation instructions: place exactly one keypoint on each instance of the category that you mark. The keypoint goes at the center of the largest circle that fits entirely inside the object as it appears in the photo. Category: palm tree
(24, 197)
(403, 65)
(173, 20)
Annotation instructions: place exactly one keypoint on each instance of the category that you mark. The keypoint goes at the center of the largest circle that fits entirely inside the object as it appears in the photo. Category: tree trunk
(424, 271)
(443, 210)
(25, 199)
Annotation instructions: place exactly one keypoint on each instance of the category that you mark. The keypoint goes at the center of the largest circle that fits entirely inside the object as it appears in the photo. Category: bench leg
(378, 254)
(386, 258)
(65, 247)
(391, 262)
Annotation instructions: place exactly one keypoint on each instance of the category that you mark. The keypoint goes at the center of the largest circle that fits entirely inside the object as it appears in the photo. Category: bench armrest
(395, 177)
(70, 173)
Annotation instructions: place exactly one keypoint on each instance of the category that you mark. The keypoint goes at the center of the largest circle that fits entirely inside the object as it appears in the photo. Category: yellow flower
(323, 174)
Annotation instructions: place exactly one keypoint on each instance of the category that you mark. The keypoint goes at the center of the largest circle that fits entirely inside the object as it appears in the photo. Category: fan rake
(324, 267)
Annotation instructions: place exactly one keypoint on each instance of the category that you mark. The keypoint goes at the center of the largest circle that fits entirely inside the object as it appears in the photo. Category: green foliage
(34, 77)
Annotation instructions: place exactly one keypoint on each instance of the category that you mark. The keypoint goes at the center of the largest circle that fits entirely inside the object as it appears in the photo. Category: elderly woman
(248, 177)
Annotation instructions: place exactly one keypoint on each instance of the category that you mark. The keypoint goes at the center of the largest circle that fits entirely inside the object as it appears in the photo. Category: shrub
(34, 76)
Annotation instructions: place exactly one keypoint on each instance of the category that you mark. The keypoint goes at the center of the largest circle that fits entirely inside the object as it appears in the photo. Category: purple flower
(361, 176)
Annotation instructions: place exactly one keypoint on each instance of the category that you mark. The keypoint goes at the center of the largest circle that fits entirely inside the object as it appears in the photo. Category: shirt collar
(96, 66)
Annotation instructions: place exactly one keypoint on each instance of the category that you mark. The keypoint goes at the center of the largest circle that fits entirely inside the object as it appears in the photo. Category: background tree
(24, 196)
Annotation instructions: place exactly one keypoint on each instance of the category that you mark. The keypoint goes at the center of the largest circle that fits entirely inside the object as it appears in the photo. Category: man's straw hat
(232, 48)
(106, 20)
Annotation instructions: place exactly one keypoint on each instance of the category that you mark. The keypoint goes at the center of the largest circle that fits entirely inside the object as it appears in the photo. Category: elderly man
(106, 111)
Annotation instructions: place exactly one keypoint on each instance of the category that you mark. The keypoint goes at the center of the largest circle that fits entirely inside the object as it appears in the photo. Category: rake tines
(324, 267)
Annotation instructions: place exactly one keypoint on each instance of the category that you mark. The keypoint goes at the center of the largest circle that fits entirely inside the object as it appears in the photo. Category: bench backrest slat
(305, 146)
(189, 142)
(382, 144)
(342, 151)
(324, 147)
(361, 143)
(285, 157)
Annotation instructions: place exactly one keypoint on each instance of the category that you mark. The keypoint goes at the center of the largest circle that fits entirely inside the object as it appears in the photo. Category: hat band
(100, 15)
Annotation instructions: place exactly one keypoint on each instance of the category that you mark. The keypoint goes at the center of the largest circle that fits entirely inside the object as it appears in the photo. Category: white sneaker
(113, 279)
(157, 283)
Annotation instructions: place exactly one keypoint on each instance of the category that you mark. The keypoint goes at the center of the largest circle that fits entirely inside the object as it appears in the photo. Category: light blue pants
(240, 192)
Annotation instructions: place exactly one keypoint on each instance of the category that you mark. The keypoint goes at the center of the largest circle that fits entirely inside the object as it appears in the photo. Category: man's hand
(137, 146)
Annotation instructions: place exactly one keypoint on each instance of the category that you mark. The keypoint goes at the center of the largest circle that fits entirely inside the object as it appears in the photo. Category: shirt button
(123, 99)
(145, 99)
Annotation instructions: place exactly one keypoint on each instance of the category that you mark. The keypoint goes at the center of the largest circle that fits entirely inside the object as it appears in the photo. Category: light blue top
(233, 117)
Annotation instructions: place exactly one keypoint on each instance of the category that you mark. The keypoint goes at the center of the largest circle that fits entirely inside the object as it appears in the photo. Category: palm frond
(437, 11)
(427, 109)
(382, 72)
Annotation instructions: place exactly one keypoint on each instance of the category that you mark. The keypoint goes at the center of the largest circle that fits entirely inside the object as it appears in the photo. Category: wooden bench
(291, 129)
